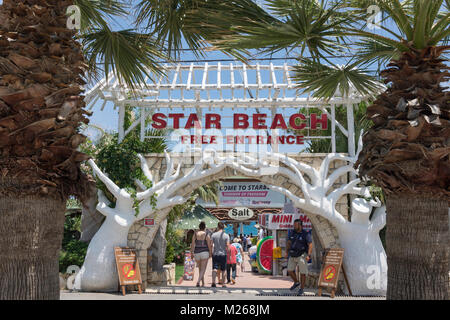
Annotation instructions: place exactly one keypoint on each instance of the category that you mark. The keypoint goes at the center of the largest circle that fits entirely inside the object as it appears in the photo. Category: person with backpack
(298, 252)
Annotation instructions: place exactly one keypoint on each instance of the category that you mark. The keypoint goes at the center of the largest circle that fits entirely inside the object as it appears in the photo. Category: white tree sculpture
(98, 272)
(364, 258)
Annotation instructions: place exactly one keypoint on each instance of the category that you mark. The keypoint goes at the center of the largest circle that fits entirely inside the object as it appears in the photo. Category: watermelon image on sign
(264, 253)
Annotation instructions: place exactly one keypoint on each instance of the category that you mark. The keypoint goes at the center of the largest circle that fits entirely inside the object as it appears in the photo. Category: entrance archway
(141, 237)
(316, 183)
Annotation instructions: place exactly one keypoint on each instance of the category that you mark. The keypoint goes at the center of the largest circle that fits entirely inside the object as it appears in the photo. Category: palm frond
(303, 24)
(95, 13)
(421, 23)
(370, 51)
(131, 56)
(327, 81)
(208, 192)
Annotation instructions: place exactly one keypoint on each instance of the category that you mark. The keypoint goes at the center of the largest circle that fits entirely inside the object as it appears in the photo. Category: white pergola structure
(211, 86)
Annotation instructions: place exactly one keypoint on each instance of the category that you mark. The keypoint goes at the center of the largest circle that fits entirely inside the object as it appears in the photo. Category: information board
(127, 268)
(331, 268)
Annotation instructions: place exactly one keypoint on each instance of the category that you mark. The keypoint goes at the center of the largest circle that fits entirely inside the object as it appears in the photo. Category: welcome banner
(247, 194)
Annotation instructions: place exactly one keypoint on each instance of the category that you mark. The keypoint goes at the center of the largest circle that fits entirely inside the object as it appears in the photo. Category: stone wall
(163, 277)
(141, 237)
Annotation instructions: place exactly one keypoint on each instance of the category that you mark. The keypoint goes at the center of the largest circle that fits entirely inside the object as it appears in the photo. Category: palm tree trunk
(31, 231)
(417, 241)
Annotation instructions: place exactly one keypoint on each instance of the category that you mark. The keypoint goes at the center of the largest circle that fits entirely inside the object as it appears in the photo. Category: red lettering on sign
(290, 139)
(193, 121)
(278, 122)
(240, 121)
(212, 118)
(259, 121)
(293, 124)
(322, 120)
(176, 119)
(158, 121)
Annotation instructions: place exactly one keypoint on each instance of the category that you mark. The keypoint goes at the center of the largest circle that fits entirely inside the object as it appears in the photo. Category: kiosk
(277, 227)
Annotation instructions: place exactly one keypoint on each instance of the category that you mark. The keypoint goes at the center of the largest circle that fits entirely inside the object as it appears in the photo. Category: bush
(175, 251)
(73, 253)
(170, 253)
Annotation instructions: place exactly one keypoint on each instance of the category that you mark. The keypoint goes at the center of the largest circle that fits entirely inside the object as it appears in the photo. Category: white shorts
(201, 256)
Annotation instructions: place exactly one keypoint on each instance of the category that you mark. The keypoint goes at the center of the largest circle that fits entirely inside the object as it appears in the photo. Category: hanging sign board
(240, 213)
(282, 221)
(245, 194)
(331, 268)
(127, 268)
(306, 223)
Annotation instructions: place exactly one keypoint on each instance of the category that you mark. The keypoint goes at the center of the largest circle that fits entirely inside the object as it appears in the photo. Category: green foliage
(73, 253)
(73, 250)
(170, 253)
(120, 160)
(324, 145)
(179, 272)
(176, 246)
(326, 80)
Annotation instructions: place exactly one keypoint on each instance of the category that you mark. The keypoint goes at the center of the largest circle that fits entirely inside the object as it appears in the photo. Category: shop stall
(276, 227)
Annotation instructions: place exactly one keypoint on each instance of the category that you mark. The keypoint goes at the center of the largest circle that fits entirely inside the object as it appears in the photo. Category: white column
(351, 130)
(121, 123)
(351, 135)
(333, 129)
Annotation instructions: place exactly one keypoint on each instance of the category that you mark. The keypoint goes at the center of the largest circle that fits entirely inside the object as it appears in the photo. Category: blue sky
(108, 118)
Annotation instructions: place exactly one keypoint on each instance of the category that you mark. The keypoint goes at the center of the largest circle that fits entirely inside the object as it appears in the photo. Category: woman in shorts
(201, 247)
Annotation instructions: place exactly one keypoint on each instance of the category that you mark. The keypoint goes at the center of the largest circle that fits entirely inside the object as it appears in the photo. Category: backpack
(298, 244)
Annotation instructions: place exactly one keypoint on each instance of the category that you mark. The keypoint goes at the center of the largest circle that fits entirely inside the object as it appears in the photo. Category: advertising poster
(189, 266)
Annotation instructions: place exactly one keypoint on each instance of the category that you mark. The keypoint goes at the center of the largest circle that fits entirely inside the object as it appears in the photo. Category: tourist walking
(298, 252)
(202, 250)
(239, 255)
(231, 263)
(249, 242)
(220, 241)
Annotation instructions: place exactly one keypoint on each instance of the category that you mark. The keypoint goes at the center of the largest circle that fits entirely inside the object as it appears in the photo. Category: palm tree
(42, 71)
(407, 149)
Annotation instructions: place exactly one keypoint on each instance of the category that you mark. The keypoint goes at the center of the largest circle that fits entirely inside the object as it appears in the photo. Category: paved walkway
(192, 293)
(246, 279)
(249, 286)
